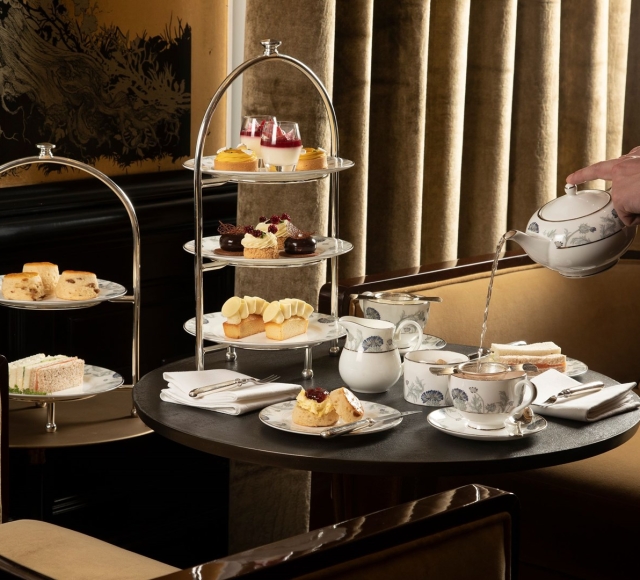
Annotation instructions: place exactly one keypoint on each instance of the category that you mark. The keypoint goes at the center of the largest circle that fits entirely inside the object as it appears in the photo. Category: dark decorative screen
(95, 90)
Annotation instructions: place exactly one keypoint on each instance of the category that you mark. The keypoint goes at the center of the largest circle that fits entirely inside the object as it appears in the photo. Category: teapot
(577, 234)
(370, 360)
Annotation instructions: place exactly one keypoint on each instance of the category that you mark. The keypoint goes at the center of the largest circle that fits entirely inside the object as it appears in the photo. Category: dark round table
(413, 448)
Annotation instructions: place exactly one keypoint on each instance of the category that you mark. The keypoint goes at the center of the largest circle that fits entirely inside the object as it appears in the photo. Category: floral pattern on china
(476, 404)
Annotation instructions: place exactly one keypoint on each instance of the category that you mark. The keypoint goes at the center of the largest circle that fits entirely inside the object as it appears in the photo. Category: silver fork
(228, 385)
(572, 392)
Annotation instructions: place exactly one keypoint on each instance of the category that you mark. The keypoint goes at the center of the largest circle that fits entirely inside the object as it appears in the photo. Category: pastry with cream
(231, 237)
(286, 318)
(545, 355)
(260, 245)
(244, 316)
(277, 225)
(77, 285)
(236, 159)
(311, 158)
(23, 286)
(48, 273)
(314, 408)
(299, 242)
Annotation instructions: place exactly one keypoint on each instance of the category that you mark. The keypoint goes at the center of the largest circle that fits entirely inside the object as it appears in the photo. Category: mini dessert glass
(281, 145)
(251, 131)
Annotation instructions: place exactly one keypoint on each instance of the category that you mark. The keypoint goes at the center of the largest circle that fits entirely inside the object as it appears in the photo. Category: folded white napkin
(590, 407)
(234, 402)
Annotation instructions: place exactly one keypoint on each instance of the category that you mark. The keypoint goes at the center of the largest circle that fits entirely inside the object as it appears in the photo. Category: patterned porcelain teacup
(421, 386)
(395, 307)
(486, 394)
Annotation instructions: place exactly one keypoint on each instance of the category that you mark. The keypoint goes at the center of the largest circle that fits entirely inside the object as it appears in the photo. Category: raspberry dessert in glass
(281, 145)
(251, 131)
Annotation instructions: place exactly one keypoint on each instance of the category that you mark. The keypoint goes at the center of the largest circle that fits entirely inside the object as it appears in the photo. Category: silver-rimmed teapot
(577, 234)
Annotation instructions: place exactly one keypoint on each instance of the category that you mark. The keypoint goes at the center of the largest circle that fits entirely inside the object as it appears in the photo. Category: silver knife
(214, 387)
(349, 427)
(573, 391)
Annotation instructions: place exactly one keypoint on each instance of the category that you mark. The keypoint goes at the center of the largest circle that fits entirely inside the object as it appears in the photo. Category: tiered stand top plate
(108, 291)
(326, 248)
(334, 164)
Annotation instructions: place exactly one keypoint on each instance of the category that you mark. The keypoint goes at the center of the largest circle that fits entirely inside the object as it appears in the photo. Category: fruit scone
(286, 318)
(318, 408)
(244, 316)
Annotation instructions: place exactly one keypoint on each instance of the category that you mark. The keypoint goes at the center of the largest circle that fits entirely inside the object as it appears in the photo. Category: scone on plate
(314, 408)
(77, 285)
(24, 286)
(260, 245)
(286, 318)
(48, 272)
(244, 316)
(347, 405)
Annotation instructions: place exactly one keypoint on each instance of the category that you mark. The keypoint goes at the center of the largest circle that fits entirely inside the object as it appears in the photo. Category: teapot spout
(536, 246)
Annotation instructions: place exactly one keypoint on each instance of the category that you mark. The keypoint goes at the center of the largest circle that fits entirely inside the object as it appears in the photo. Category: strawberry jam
(317, 394)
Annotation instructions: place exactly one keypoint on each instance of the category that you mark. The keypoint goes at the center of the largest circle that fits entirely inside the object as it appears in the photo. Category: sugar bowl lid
(574, 205)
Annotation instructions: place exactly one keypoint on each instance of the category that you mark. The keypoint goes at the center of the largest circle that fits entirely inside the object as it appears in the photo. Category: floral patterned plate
(278, 416)
(448, 420)
(325, 248)
(322, 328)
(575, 368)
(96, 381)
(429, 342)
(334, 164)
(108, 291)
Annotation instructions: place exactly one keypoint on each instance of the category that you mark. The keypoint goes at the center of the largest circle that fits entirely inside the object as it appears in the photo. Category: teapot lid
(574, 205)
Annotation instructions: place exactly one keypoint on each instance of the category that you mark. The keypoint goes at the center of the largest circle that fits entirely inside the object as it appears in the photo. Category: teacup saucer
(429, 342)
(448, 420)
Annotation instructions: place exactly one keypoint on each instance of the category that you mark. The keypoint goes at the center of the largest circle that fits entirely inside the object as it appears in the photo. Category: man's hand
(624, 174)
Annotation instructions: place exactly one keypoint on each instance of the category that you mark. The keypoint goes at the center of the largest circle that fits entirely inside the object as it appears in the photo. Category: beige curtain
(462, 117)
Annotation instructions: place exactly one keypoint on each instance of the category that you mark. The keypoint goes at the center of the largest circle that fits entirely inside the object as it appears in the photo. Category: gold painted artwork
(111, 83)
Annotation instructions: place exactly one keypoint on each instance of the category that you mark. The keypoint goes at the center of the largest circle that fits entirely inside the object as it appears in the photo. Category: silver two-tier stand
(46, 157)
(270, 54)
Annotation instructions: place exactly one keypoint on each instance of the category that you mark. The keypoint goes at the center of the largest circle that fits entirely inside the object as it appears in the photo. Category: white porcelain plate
(325, 248)
(334, 164)
(429, 342)
(448, 420)
(108, 291)
(279, 415)
(322, 328)
(97, 380)
(575, 368)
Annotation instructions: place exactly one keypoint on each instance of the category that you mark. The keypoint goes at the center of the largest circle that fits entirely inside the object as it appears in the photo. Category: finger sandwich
(42, 374)
(545, 355)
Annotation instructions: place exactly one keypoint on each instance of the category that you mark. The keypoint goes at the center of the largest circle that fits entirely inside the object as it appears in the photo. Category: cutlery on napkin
(589, 407)
(236, 402)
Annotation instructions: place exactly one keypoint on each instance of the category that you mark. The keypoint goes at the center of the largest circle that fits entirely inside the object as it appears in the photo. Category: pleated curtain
(462, 117)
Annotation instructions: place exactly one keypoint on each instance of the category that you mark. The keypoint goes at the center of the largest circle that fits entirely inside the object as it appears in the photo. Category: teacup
(394, 307)
(486, 394)
(421, 386)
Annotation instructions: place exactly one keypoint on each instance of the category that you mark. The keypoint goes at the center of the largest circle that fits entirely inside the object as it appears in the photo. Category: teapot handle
(415, 344)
